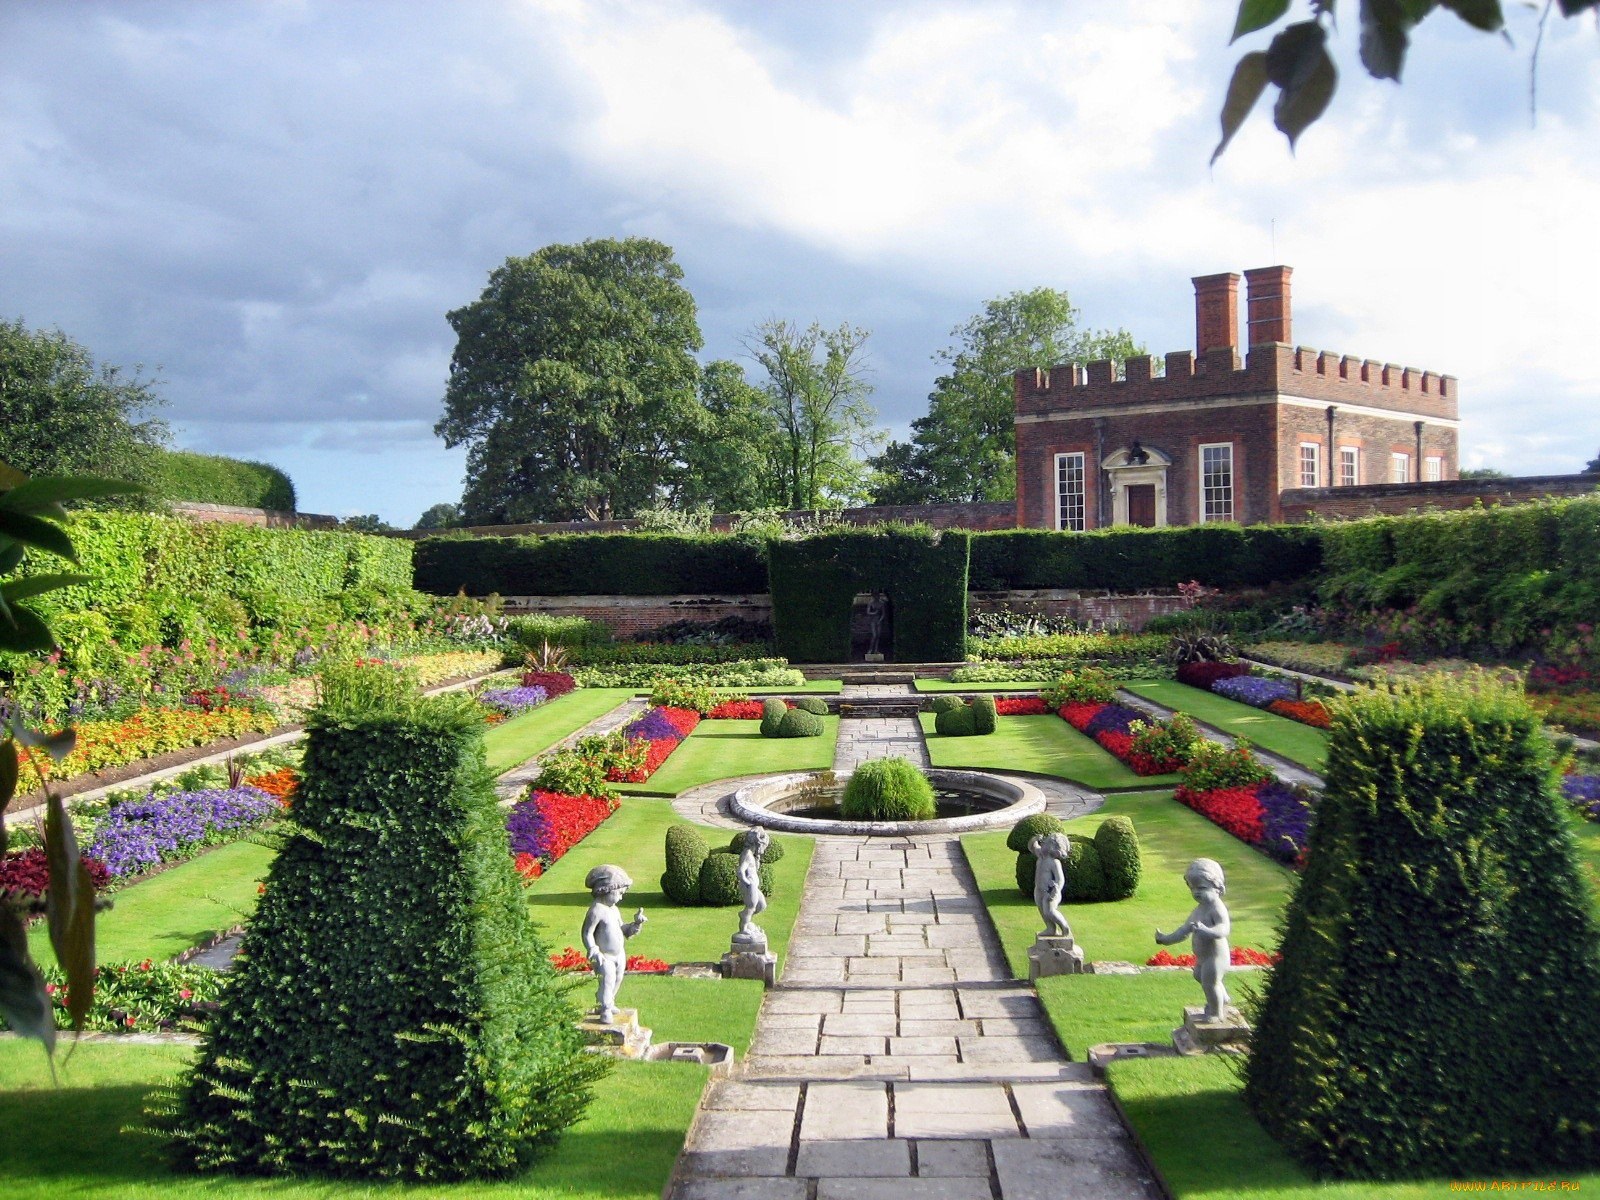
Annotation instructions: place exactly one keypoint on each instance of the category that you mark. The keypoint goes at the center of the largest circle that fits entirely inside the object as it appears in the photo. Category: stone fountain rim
(1022, 798)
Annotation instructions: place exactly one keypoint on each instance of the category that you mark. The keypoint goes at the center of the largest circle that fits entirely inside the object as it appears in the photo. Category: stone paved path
(897, 1058)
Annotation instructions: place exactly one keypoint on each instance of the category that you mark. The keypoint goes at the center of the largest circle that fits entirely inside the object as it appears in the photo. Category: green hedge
(394, 1013)
(1433, 1014)
(1223, 556)
(597, 564)
(814, 582)
(213, 479)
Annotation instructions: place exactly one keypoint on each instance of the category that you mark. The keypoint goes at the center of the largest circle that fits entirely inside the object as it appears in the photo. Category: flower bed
(546, 825)
(1238, 956)
(1021, 706)
(1233, 681)
(142, 997)
(281, 784)
(456, 664)
(1307, 712)
(1578, 711)
(573, 959)
(1254, 690)
(1113, 727)
(1274, 817)
(1203, 674)
(736, 710)
(510, 702)
(555, 683)
(26, 873)
(136, 835)
(1584, 793)
(102, 745)
(661, 729)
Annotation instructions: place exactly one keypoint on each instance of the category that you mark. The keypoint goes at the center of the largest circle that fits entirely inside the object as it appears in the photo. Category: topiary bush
(1025, 830)
(1086, 877)
(773, 853)
(686, 852)
(887, 789)
(984, 714)
(945, 703)
(1117, 845)
(1433, 1014)
(814, 705)
(955, 722)
(797, 722)
(772, 713)
(719, 878)
(393, 1013)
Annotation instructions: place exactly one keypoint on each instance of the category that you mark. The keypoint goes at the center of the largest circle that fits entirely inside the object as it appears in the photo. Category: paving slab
(952, 1157)
(855, 1159)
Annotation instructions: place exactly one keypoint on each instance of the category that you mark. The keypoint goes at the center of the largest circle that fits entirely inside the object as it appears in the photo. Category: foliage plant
(1432, 1015)
(1117, 845)
(955, 721)
(1212, 765)
(394, 1013)
(1086, 686)
(773, 711)
(753, 673)
(799, 722)
(144, 996)
(719, 878)
(887, 789)
(586, 767)
(815, 705)
(671, 693)
(686, 850)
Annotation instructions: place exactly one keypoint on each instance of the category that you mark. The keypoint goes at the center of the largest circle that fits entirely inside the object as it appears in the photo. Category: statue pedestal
(1054, 956)
(1229, 1034)
(872, 657)
(749, 958)
(621, 1037)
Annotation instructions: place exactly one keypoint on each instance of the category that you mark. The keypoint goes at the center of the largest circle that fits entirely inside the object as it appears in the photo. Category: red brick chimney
(1267, 298)
(1216, 312)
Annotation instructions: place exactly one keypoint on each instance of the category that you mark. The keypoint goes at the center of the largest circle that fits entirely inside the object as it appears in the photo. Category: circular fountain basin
(985, 802)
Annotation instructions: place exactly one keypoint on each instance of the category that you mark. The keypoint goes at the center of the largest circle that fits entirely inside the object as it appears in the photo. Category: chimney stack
(1267, 299)
(1216, 313)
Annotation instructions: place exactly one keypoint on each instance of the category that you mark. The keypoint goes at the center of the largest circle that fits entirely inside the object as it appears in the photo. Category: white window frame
(1399, 467)
(1314, 460)
(1072, 504)
(1206, 487)
(1351, 456)
(1433, 469)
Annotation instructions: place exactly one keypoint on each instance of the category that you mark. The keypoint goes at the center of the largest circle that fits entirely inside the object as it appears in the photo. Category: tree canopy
(439, 516)
(731, 459)
(965, 448)
(61, 413)
(573, 382)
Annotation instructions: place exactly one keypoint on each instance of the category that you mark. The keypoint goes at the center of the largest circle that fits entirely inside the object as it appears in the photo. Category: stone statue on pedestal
(753, 844)
(605, 937)
(1053, 951)
(1208, 926)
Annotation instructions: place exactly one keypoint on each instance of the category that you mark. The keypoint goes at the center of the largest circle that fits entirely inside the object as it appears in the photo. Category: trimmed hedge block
(984, 714)
(797, 722)
(772, 713)
(686, 852)
(955, 722)
(945, 703)
(814, 705)
(719, 878)
(1117, 845)
(774, 848)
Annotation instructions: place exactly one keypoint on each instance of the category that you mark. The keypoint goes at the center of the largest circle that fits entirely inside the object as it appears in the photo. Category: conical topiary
(1434, 1012)
(393, 1013)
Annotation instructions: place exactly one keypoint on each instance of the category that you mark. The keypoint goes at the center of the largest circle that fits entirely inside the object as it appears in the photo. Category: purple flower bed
(512, 701)
(1115, 718)
(1252, 689)
(1285, 819)
(140, 834)
(653, 727)
(1583, 791)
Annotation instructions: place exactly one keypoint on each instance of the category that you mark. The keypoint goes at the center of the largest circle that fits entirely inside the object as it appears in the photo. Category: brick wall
(1301, 504)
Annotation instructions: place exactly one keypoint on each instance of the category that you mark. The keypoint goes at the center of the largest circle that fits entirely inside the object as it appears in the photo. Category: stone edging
(746, 803)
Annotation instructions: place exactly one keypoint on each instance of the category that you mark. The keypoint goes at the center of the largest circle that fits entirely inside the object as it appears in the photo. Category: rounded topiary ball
(887, 789)
(1023, 832)
(1086, 878)
(686, 854)
(719, 879)
(1118, 847)
(774, 848)
(955, 722)
(941, 704)
(797, 722)
(984, 715)
(772, 712)
(812, 704)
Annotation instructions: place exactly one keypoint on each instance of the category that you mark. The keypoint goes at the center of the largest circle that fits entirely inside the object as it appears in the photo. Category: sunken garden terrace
(637, 865)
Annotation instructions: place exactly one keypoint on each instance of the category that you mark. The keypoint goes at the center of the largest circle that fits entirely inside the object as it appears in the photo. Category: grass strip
(1170, 838)
(513, 742)
(1298, 743)
(1088, 1010)
(89, 1137)
(1208, 1146)
(1044, 745)
(722, 749)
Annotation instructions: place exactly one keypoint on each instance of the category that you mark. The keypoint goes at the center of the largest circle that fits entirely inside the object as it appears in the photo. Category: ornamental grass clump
(394, 1014)
(887, 789)
(1433, 1014)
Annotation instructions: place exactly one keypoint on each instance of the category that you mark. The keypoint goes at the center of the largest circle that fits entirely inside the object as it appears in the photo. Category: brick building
(1214, 439)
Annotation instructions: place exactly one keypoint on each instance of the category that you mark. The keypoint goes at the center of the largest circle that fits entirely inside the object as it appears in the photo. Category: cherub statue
(1050, 852)
(753, 844)
(1210, 926)
(605, 937)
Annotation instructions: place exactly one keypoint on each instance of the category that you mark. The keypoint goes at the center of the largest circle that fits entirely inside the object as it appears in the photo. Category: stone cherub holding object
(605, 937)
(753, 845)
(1209, 925)
(1050, 852)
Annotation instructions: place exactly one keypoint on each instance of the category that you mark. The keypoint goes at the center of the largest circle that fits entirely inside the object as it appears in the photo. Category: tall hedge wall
(924, 573)
(1222, 556)
(214, 479)
(591, 564)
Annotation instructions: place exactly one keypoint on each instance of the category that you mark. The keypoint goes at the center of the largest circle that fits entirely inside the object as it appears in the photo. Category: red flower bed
(573, 959)
(736, 710)
(1239, 956)
(1079, 713)
(1203, 674)
(27, 873)
(656, 753)
(683, 720)
(546, 825)
(554, 683)
(281, 784)
(1238, 810)
(1026, 706)
(1307, 712)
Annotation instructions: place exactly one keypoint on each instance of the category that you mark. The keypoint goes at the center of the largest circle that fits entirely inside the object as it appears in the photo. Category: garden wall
(269, 518)
(1399, 499)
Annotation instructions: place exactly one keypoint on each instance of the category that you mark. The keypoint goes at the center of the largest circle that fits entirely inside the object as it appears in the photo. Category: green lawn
(1296, 742)
(1044, 745)
(177, 909)
(723, 749)
(88, 1137)
(633, 838)
(1087, 1010)
(515, 741)
(1190, 1116)
(1170, 837)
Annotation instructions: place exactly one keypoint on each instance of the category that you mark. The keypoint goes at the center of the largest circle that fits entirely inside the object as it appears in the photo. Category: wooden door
(1142, 504)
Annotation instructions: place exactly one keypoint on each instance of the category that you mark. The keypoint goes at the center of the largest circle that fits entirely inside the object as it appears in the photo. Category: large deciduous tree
(965, 448)
(61, 413)
(729, 459)
(817, 390)
(573, 382)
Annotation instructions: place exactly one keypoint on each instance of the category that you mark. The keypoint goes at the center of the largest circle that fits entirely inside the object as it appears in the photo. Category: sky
(272, 205)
